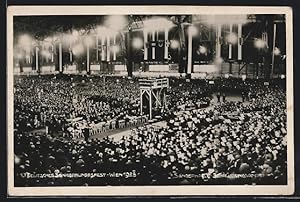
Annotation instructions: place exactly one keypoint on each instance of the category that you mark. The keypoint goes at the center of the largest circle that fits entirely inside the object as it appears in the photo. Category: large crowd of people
(204, 141)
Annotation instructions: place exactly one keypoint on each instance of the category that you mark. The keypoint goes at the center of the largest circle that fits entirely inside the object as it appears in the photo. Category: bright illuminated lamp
(203, 49)
(25, 40)
(277, 51)
(192, 30)
(137, 43)
(259, 43)
(244, 77)
(282, 76)
(232, 38)
(78, 49)
(174, 44)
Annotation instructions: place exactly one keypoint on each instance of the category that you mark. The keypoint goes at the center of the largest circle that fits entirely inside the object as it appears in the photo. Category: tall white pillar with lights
(230, 44)
(153, 48)
(36, 58)
(145, 45)
(166, 51)
(60, 57)
(107, 49)
(87, 58)
(102, 47)
(114, 50)
(218, 41)
(191, 32)
(239, 41)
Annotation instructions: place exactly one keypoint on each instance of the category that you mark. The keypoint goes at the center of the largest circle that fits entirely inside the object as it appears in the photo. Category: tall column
(166, 53)
(190, 48)
(52, 53)
(60, 57)
(87, 58)
(153, 48)
(218, 42)
(27, 55)
(97, 45)
(102, 48)
(70, 52)
(114, 51)
(107, 49)
(240, 42)
(145, 45)
(36, 58)
(230, 44)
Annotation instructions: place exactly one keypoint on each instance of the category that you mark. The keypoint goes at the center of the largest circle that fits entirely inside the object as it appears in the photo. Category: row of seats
(112, 125)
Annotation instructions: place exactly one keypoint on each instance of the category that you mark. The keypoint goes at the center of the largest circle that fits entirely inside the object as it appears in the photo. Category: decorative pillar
(218, 45)
(145, 45)
(153, 48)
(190, 49)
(52, 53)
(108, 49)
(87, 58)
(60, 57)
(114, 51)
(240, 42)
(102, 48)
(71, 54)
(36, 58)
(230, 44)
(97, 45)
(166, 53)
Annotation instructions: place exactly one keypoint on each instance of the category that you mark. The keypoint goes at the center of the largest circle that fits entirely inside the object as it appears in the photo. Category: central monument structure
(155, 92)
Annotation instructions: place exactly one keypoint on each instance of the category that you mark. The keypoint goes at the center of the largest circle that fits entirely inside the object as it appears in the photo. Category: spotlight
(244, 77)
(202, 49)
(78, 49)
(137, 43)
(232, 38)
(277, 51)
(259, 43)
(174, 44)
(25, 40)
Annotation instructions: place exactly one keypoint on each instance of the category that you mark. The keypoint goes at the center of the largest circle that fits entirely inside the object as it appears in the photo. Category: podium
(155, 91)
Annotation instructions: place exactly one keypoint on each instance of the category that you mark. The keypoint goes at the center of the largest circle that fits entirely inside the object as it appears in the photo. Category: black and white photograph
(150, 100)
